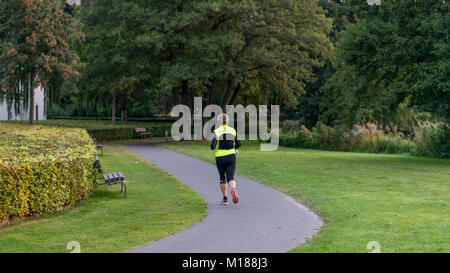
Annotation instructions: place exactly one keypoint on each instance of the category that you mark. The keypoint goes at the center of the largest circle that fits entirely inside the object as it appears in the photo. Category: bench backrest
(113, 177)
(140, 130)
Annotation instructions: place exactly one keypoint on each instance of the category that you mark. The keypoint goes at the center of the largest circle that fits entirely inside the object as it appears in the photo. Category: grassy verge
(156, 206)
(400, 201)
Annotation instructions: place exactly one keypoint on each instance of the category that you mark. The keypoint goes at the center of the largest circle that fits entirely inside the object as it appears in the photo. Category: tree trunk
(105, 106)
(124, 115)
(237, 90)
(228, 92)
(123, 108)
(176, 96)
(95, 105)
(184, 92)
(31, 99)
(210, 92)
(113, 109)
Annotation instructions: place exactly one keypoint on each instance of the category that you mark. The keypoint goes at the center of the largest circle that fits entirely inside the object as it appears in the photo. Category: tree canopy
(338, 62)
(393, 63)
(221, 50)
(36, 40)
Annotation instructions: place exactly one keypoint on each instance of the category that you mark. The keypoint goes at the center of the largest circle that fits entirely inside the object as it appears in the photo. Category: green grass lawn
(156, 206)
(400, 201)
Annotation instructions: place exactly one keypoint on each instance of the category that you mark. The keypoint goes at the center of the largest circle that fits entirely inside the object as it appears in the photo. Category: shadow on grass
(108, 193)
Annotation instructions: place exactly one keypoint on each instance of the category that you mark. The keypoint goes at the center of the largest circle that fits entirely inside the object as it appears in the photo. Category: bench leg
(125, 192)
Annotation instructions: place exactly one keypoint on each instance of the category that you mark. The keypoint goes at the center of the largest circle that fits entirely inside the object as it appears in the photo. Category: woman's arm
(238, 143)
(213, 143)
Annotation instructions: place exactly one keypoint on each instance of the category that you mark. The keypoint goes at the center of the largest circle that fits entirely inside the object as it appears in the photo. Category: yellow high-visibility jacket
(225, 141)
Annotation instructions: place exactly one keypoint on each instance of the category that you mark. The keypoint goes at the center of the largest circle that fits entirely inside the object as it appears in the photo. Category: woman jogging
(225, 143)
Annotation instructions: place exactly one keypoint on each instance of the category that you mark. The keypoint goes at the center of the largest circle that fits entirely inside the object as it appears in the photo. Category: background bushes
(43, 168)
(433, 139)
(429, 139)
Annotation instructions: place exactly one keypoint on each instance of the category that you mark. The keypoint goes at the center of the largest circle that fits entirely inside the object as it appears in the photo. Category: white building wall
(74, 2)
(39, 101)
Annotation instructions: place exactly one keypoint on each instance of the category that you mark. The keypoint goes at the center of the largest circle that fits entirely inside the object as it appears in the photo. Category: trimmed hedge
(106, 131)
(43, 169)
(120, 133)
(108, 119)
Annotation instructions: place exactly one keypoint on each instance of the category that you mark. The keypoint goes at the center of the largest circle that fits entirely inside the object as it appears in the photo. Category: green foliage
(359, 138)
(288, 140)
(122, 133)
(433, 139)
(393, 62)
(43, 169)
(310, 105)
(430, 139)
(119, 65)
(36, 43)
(162, 53)
(439, 141)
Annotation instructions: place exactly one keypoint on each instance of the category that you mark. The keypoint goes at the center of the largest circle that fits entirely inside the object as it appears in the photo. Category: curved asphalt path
(264, 220)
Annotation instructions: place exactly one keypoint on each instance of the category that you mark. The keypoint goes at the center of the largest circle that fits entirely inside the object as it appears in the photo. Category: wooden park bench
(97, 146)
(142, 132)
(111, 178)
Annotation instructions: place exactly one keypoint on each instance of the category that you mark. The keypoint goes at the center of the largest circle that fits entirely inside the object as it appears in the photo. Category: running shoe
(235, 196)
(224, 202)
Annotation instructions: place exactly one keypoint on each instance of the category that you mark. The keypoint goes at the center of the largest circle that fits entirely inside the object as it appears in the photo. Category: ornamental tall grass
(431, 139)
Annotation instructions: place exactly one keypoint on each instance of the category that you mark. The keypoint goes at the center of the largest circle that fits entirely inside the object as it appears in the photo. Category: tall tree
(311, 105)
(222, 49)
(225, 50)
(394, 61)
(36, 38)
(117, 56)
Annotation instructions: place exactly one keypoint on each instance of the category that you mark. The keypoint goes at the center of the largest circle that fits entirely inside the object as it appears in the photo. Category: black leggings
(226, 165)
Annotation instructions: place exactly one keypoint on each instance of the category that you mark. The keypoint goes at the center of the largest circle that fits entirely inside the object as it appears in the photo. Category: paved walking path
(264, 220)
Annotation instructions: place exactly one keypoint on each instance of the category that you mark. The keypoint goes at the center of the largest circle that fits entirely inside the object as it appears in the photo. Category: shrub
(43, 168)
(432, 139)
(439, 141)
(290, 126)
(321, 135)
(288, 140)
(360, 138)
(421, 138)
(304, 137)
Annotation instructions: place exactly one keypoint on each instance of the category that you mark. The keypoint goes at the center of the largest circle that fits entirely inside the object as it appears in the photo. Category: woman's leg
(221, 168)
(231, 167)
